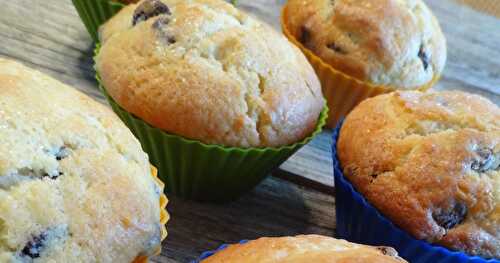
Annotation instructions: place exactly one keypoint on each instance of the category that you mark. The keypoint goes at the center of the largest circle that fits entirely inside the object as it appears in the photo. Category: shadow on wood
(274, 208)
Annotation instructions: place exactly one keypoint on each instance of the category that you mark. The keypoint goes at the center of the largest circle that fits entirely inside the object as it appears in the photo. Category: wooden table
(48, 35)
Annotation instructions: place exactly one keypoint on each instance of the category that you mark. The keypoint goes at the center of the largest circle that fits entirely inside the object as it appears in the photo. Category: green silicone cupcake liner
(207, 172)
(194, 170)
(94, 13)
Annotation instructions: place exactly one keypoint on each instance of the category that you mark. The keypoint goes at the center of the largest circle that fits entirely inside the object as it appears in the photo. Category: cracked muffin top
(75, 185)
(304, 249)
(385, 42)
(204, 70)
(431, 163)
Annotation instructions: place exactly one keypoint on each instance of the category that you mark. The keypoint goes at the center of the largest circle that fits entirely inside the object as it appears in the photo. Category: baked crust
(75, 185)
(206, 71)
(302, 249)
(431, 163)
(388, 42)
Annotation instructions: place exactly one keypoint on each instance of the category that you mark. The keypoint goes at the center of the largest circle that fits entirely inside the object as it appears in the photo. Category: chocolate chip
(164, 33)
(171, 39)
(485, 160)
(148, 9)
(62, 153)
(336, 48)
(423, 57)
(305, 35)
(38, 243)
(35, 246)
(449, 219)
(52, 176)
(389, 251)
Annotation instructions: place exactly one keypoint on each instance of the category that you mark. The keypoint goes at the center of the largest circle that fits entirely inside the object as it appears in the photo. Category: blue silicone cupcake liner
(359, 222)
(210, 253)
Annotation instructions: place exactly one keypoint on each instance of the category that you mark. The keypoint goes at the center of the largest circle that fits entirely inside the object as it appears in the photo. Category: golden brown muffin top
(431, 163)
(75, 185)
(389, 42)
(304, 249)
(204, 70)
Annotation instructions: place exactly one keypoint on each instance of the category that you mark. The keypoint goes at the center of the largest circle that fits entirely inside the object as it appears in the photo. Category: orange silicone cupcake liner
(341, 91)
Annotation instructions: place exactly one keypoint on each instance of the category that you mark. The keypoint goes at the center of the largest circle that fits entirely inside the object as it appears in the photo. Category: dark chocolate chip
(38, 243)
(148, 9)
(171, 39)
(423, 57)
(485, 160)
(164, 34)
(336, 48)
(52, 176)
(449, 219)
(62, 153)
(35, 246)
(305, 35)
(389, 251)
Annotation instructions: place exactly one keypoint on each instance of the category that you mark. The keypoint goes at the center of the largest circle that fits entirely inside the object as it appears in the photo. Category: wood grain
(274, 208)
(49, 36)
(488, 6)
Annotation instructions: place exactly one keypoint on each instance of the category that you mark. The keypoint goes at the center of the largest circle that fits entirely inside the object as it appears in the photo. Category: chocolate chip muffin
(75, 185)
(397, 43)
(302, 249)
(206, 71)
(430, 162)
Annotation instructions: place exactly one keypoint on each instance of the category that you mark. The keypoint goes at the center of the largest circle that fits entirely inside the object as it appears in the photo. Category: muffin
(304, 248)
(430, 162)
(210, 74)
(206, 71)
(383, 44)
(75, 185)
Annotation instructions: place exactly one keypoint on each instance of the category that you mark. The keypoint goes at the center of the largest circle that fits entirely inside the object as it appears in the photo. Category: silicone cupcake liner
(199, 171)
(95, 12)
(163, 214)
(206, 172)
(359, 222)
(210, 253)
(341, 91)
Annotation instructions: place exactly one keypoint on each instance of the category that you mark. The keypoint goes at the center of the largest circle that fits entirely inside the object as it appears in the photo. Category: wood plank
(274, 208)
(488, 6)
(48, 35)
